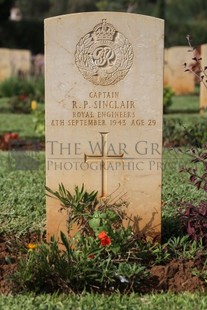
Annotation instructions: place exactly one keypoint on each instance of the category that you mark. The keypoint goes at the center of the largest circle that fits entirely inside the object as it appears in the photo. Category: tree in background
(5, 7)
(130, 6)
(40, 9)
(160, 10)
(183, 18)
(34, 9)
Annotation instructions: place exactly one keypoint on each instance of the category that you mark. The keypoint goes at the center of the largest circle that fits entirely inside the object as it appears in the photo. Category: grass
(185, 301)
(20, 123)
(22, 209)
(22, 199)
(185, 108)
(185, 104)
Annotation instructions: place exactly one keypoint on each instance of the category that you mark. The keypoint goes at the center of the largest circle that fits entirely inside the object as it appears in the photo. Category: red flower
(105, 241)
(10, 136)
(22, 97)
(91, 256)
(104, 238)
(102, 235)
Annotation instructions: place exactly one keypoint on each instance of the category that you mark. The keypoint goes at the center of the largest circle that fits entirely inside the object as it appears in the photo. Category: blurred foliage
(25, 34)
(5, 6)
(167, 98)
(181, 18)
(34, 9)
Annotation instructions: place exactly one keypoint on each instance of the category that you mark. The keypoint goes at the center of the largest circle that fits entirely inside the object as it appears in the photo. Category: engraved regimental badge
(104, 56)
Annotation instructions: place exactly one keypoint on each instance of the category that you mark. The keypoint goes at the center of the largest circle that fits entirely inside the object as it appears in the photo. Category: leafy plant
(176, 133)
(167, 98)
(19, 86)
(20, 104)
(39, 120)
(194, 218)
(202, 274)
(102, 255)
(21, 91)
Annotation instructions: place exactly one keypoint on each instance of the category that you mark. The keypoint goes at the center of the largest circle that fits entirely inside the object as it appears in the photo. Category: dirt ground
(176, 276)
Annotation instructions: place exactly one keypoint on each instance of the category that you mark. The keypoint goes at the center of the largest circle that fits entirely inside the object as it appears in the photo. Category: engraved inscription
(104, 56)
(105, 108)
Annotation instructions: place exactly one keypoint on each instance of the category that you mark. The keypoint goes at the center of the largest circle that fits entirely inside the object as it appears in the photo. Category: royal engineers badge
(104, 56)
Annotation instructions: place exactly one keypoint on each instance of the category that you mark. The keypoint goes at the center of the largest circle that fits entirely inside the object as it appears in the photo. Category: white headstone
(5, 65)
(203, 89)
(104, 92)
(180, 81)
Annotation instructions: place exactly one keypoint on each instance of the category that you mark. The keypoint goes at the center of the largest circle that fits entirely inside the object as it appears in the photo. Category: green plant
(183, 247)
(39, 120)
(20, 104)
(102, 255)
(176, 133)
(167, 98)
(16, 86)
(19, 86)
(202, 274)
(194, 217)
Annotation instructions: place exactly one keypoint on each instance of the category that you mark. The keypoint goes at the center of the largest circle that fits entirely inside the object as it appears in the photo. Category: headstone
(5, 66)
(104, 92)
(20, 62)
(203, 89)
(180, 81)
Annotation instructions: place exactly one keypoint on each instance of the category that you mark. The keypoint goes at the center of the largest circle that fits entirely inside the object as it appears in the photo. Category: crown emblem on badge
(104, 55)
(104, 31)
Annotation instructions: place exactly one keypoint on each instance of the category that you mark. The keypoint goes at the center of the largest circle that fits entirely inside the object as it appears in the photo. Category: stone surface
(5, 65)
(203, 89)
(14, 63)
(175, 76)
(104, 91)
(20, 62)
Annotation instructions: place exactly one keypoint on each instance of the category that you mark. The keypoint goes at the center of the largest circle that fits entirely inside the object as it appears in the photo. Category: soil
(176, 276)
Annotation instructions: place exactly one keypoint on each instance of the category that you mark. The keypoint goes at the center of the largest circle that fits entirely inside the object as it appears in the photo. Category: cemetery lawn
(22, 216)
(19, 123)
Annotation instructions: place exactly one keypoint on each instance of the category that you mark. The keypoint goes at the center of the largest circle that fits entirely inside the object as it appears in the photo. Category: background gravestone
(104, 92)
(20, 62)
(5, 64)
(203, 90)
(180, 81)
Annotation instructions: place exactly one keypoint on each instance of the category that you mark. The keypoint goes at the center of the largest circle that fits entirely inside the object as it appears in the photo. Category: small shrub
(21, 92)
(175, 133)
(20, 104)
(102, 256)
(39, 120)
(194, 217)
(17, 86)
(194, 221)
(167, 98)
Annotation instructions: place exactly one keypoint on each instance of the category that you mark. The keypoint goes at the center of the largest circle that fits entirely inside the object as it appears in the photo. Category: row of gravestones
(181, 81)
(104, 103)
(21, 62)
(15, 62)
